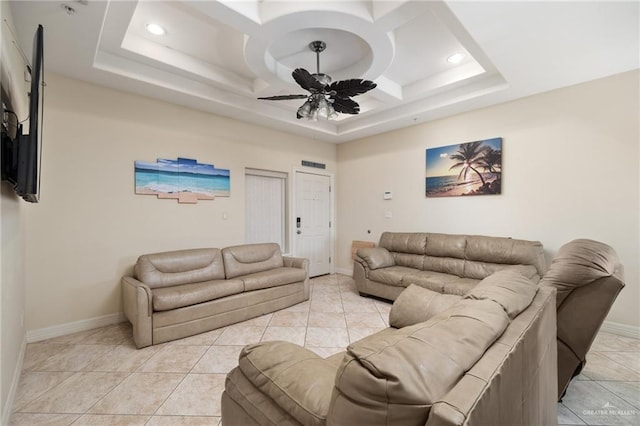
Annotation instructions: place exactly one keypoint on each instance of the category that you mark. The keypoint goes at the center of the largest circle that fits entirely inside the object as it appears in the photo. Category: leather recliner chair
(588, 276)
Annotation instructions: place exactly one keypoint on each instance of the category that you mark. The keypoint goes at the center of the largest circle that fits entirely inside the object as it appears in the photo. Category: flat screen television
(22, 155)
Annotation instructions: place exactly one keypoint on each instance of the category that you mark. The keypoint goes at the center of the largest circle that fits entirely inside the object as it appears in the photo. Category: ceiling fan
(326, 98)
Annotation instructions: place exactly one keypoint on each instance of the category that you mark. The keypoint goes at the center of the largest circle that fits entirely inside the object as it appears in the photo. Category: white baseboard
(621, 329)
(344, 271)
(73, 327)
(6, 414)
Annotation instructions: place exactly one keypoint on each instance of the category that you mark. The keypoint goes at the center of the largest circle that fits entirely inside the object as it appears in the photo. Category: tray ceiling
(219, 56)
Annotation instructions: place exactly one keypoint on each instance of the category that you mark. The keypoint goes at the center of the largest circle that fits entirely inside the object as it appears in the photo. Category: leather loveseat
(181, 293)
(486, 358)
(445, 263)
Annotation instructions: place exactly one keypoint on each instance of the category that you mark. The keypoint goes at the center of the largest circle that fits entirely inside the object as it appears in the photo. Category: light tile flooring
(97, 377)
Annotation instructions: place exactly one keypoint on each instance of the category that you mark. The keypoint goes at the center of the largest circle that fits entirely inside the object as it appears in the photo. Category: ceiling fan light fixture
(305, 111)
(324, 109)
(327, 99)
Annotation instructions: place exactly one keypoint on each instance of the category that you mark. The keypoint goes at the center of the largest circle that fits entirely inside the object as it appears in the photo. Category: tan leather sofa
(488, 358)
(588, 276)
(446, 263)
(181, 293)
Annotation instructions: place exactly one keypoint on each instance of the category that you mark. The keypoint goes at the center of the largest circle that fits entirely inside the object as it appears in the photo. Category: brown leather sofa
(181, 293)
(445, 263)
(588, 276)
(488, 358)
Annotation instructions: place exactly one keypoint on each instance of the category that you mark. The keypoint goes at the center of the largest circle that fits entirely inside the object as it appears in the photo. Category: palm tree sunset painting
(472, 168)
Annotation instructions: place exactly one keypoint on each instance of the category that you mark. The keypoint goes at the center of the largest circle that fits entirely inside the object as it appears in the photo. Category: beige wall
(90, 227)
(570, 171)
(570, 161)
(12, 233)
(12, 290)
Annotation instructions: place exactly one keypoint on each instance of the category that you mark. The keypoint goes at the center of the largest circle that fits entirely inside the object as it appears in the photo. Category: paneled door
(312, 221)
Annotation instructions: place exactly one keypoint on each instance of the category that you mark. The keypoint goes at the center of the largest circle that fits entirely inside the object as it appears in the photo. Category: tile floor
(97, 377)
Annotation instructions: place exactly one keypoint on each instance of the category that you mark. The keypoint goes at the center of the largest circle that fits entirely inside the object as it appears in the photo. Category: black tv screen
(22, 154)
(29, 146)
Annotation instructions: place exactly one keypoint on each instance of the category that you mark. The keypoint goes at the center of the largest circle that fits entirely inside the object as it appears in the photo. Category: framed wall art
(183, 179)
(471, 168)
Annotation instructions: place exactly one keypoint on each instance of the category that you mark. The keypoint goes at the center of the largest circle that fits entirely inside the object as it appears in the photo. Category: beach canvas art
(183, 179)
(472, 168)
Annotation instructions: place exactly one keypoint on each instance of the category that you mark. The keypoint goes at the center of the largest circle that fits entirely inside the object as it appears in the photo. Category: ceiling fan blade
(351, 87)
(307, 81)
(284, 97)
(345, 105)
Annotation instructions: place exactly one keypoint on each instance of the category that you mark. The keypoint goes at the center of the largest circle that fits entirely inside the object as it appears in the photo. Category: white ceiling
(219, 56)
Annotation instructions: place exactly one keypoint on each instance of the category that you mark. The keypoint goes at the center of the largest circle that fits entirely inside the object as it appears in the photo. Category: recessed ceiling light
(456, 58)
(155, 29)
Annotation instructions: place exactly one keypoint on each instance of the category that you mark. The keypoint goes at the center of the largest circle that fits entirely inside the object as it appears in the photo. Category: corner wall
(12, 292)
(12, 234)
(570, 170)
(90, 226)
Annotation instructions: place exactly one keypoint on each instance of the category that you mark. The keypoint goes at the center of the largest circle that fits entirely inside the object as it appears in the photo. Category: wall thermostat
(387, 195)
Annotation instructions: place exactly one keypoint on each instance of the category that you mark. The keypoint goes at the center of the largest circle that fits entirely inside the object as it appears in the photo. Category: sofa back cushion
(251, 258)
(446, 245)
(468, 256)
(404, 242)
(179, 267)
(393, 378)
(505, 251)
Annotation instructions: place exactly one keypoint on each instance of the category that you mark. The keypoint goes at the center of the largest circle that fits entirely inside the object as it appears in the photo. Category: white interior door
(312, 221)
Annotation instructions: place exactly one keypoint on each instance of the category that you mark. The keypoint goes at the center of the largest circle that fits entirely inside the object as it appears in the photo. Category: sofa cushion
(179, 267)
(272, 278)
(394, 378)
(460, 286)
(446, 265)
(428, 279)
(377, 257)
(481, 270)
(392, 275)
(416, 304)
(251, 258)
(179, 296)
(296, 379)
(415, 261)
(509, 289)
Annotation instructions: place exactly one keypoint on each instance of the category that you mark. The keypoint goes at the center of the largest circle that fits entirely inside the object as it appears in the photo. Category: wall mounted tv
(22, 153)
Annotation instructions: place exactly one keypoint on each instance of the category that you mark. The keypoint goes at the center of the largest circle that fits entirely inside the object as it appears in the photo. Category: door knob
(298, 232)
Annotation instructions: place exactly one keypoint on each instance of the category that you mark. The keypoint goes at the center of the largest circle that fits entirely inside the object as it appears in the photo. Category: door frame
(332, 218)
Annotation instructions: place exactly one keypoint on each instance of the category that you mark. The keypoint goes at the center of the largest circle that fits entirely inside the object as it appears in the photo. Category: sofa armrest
(296, 379)
(137, 302)
(375, 258)
(296, 262)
